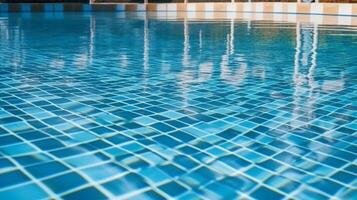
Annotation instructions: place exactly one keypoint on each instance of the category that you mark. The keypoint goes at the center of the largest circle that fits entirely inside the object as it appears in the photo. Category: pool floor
(106, 106)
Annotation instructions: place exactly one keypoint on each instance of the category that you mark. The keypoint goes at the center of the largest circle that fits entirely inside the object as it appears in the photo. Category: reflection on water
(305, 94)
(244, 102)
(237, 76)
(235, 52)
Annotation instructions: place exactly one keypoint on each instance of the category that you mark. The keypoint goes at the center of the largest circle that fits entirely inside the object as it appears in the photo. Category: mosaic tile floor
(99, 106)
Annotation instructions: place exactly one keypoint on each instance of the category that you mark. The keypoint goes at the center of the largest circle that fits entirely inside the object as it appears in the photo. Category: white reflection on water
(146, 44)
(91, 39)
(307, 89)
(229, 75)
(333, 85)
(308, 92)
(304, 67)
(186, 45)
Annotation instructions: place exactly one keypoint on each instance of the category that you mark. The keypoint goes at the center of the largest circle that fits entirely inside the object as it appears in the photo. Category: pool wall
(341, 9)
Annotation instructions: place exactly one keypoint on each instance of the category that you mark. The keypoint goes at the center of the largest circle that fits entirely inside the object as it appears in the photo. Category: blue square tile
(64, 182)
(126, 184)
(12, 178)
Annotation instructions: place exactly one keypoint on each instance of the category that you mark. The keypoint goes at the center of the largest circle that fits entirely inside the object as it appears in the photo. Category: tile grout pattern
(189, 127)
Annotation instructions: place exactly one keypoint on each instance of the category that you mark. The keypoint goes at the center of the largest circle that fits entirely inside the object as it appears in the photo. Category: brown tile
(303, 8)
(130, 7)
(181, 7)
(331, 9)
(36, 7)
(303, 18)
(220, 15)
(200, 7)
(354, 9)
(330, 20)
(219, 7)
(181, 15)
(268, 7)
(151, 7)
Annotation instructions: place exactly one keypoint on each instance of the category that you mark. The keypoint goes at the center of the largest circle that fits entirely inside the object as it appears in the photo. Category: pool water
(103, 106)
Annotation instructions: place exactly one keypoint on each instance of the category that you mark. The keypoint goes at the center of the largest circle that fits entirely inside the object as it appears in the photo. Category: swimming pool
(103, 105)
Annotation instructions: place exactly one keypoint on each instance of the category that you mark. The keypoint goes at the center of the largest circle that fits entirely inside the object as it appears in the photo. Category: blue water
(100, 106)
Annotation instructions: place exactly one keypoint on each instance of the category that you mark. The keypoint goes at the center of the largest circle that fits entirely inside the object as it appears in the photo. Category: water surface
(104, 106)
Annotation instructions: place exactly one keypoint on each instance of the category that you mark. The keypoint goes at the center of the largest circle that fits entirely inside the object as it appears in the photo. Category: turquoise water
(103, 106)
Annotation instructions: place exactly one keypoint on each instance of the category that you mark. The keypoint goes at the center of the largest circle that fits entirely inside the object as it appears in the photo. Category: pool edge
(338, 9)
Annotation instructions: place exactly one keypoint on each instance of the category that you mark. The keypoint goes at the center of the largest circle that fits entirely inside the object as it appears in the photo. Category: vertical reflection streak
(186, 47)
(146, 44)
(91, 39)
(200, 40)
(146, 53)
(231, 37)
(304, 67)
(297, 52)
(185, 63)
(249, 25)
(232, 76)
(310, 76)
(314, 53)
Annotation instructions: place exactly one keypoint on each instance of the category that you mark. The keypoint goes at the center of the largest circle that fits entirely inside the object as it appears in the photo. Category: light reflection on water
(271, 82)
